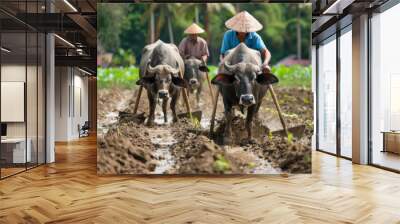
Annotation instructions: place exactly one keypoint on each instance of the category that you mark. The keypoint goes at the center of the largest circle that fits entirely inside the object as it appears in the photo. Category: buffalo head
(194, 72)
(244, 76)
(159, 79)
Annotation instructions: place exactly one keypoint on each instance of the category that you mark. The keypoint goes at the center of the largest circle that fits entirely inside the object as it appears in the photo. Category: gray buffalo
(159, 71)
(195, 76)
(242, 83)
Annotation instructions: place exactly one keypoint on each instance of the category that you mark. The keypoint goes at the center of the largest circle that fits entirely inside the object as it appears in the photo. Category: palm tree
(171, 33)
(151, 24)
(301, 23)
(166, 12)
(215, 8)
(298, 31)
(196, 13)
(150, 13)
(237, 7)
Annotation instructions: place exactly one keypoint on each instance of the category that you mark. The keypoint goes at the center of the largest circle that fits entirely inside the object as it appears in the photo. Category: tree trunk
(152, 35)
(171, 33)
(237, 7)
(207, 29)
(298, 31)
(206, 23)
(158, 27)
(196, 13)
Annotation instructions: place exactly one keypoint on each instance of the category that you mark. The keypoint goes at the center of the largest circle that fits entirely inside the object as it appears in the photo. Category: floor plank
(69, 191)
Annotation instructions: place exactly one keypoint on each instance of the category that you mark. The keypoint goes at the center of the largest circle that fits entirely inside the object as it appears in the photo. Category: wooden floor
(69, 191)
(5, 172)
(387, 159)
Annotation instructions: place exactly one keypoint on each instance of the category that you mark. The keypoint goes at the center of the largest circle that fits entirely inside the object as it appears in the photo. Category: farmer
(243, 27)
(193, 45)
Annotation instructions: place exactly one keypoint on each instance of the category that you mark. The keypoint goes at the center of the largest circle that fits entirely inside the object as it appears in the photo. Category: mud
(125, 149)
(196, 153)
(127, 146)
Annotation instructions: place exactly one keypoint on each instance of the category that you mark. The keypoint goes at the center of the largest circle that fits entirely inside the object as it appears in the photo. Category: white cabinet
(17, 148)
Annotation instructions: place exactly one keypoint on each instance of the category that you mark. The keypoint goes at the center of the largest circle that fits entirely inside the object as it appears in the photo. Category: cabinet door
(392, 142)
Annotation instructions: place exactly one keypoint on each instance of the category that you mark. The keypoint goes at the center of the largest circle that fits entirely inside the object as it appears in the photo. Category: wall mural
(204, 88)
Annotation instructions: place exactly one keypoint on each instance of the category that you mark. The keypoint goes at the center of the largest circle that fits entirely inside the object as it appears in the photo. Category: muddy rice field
(127, 146)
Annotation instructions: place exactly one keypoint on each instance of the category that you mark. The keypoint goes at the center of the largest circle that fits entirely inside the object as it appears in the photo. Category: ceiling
(328, 16)
(74, 22)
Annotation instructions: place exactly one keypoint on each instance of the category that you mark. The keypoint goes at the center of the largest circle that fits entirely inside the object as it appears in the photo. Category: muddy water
(264, 167)
(205, 123)
(112, 116)
(162, 138)
(261, 166)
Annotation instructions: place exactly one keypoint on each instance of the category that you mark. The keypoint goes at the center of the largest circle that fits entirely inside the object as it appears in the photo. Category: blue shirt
(252, 40)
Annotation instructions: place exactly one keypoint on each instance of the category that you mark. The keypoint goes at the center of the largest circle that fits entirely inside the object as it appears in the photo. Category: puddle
(205, 122)
(264, 167)
(162, 138)
(159, 118)
(112, 117)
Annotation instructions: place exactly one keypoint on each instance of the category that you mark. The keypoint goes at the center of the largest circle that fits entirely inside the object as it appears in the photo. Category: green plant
(252, 165)
(270, 135)
(123, 58)
(124, 77)
(293, 76)
(309, 124)
(290, 137)
(221, 164)
(196, 122)
(306, 100)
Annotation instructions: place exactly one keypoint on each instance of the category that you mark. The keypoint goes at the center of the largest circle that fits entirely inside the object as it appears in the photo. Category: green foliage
(270, 135)
(121, 77)
(309, 124)
(221, 164)
(252, 165)
(126, 77)
(306, 101)
(290, 137)
(123, 58)
(127, 26)
(109, 31)
(293, 76)
(196, 122)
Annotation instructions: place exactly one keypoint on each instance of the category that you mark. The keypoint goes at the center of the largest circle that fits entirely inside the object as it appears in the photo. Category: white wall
(62, 81)
(314, 88)
(79, 117)
(70, 83)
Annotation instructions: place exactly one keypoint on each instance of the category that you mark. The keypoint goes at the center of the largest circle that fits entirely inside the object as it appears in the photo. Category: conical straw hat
(243, 22)
(194, 29)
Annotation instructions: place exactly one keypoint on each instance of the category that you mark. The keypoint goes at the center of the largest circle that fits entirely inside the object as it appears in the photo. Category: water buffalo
(195, 76)
(159, 71)
(242, 83)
